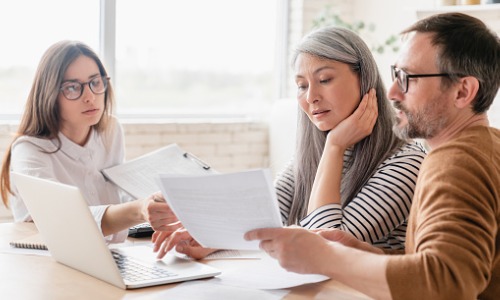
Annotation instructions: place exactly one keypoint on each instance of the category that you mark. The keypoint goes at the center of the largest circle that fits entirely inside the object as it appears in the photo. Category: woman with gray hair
(350, 170)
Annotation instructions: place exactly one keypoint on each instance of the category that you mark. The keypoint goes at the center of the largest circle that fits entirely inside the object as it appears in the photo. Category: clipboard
(137, 176)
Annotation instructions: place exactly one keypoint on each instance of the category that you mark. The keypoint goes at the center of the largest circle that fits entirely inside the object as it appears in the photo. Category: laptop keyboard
(133, 270)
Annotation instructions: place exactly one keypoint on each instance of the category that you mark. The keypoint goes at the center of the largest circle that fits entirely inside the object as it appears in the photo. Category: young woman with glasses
(68, 134)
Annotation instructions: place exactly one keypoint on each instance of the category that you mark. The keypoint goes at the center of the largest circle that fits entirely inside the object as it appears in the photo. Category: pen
(196, 160)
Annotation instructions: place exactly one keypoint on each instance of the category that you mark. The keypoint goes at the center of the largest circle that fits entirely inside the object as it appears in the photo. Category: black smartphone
(140, 230)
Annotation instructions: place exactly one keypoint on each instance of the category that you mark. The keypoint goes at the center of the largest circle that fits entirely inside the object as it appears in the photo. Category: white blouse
(75, 165)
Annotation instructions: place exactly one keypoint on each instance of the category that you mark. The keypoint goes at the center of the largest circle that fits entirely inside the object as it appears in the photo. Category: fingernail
(180, 249)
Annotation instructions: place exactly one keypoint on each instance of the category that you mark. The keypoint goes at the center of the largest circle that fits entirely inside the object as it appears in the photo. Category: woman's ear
(467, 91)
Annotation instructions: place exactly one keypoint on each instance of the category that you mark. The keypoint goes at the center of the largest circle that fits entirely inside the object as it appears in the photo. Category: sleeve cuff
(327, 216)
(98, 212)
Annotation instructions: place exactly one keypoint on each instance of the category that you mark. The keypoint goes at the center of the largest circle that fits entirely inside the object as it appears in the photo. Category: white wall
(282, 133)
(390, 17)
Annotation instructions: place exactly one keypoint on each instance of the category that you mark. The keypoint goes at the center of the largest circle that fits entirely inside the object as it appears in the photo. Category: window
(191, 57)
(195, 56)
(29, 27)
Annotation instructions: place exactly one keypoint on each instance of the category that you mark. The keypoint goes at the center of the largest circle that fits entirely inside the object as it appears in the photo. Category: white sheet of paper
(218, 209)
(233, 254)
(264, 273)
(209, 290)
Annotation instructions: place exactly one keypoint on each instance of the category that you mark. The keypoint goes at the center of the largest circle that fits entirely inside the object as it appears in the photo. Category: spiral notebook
(31, 242)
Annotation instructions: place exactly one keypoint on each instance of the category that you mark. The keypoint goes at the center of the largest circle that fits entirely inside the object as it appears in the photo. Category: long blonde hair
(41, 117)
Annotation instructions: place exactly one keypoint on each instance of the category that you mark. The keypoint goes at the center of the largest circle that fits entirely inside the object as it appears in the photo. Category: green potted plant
(327, 17)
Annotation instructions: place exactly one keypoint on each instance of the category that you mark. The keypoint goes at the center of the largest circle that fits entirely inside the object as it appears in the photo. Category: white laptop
(73, 238)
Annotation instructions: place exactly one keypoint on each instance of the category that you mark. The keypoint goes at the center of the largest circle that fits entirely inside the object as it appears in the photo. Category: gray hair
(342, 45)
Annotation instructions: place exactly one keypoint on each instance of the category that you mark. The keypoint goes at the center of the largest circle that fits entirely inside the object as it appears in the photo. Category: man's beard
(425, 124)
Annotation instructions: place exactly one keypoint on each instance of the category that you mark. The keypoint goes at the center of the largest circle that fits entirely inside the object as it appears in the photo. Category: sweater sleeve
(452, 228)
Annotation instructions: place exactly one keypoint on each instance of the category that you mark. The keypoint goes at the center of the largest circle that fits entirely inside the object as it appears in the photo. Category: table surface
(41, 277)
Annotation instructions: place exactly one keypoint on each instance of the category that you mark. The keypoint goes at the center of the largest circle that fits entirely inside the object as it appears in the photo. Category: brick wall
(226, 145)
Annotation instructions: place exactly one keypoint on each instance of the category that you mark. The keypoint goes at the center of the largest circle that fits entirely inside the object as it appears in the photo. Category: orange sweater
(453, 238)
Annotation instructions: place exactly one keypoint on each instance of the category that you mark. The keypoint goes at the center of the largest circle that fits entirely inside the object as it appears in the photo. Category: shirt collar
(74, 150)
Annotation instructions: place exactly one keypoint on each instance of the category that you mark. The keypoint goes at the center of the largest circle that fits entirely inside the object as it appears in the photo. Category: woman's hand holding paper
(159, 214)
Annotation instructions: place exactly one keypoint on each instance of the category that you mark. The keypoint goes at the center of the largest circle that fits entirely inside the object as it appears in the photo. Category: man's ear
(468, 87)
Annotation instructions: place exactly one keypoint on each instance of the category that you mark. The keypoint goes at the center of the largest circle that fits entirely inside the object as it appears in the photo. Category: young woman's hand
(158, 213)
(358, 125)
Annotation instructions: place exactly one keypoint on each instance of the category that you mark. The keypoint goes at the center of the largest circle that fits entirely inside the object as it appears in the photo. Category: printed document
(218, 209)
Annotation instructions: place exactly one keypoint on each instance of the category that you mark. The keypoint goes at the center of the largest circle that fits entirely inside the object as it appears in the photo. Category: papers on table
(233, 254)
(261, 278)
(218, 209)
(211, 290)
(264, 273)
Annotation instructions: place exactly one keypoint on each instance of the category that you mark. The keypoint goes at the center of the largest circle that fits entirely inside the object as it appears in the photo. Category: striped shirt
(378, 213)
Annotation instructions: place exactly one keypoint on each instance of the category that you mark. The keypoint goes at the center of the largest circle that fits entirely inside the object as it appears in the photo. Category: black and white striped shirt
(379, 212)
